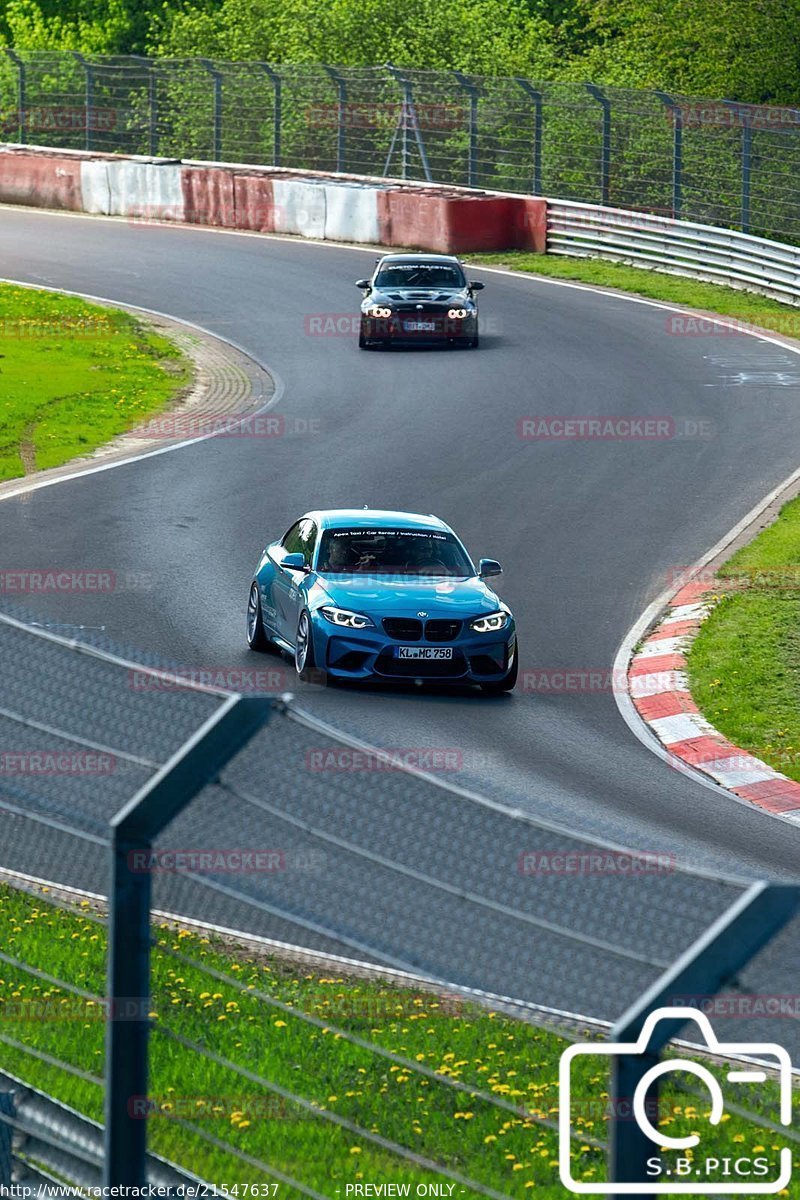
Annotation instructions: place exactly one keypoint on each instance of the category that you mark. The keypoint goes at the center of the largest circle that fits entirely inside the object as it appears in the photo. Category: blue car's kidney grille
(403, 629)
(442, 631)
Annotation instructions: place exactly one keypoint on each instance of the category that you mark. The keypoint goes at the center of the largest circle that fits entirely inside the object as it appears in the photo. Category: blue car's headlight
(346, 619)
(490, 624)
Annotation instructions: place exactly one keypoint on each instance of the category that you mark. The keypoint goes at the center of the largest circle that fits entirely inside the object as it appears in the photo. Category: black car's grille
(403, 629)
(401, 668)
(442, 631)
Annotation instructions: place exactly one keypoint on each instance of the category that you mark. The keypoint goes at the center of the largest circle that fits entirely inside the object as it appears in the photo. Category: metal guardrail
(679, 247)
(51, 1143)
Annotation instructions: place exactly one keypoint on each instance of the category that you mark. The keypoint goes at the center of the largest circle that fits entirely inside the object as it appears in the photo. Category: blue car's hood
(394, 595)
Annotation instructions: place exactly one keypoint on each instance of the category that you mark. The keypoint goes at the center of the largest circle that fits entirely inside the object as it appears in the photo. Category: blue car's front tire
(304, 662)
(256, 637)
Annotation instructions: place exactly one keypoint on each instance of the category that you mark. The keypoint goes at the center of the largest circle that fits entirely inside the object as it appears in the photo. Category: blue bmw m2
(362, 594)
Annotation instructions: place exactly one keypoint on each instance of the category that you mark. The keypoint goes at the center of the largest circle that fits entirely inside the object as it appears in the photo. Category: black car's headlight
(346, 619)
(490, 623)
(458, 314)
(375, 310)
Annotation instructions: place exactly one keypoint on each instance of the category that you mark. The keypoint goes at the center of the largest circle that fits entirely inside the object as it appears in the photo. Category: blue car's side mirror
(489, 567)
(294, 562)
(363, 283)
(475, 285)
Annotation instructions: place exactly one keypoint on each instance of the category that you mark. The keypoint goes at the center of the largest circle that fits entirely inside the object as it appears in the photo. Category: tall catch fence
(712, 161)
(356, 971)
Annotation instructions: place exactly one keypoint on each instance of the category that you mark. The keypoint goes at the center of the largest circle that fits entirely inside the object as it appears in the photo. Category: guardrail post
(88, 121)
(22, 103)
(133, 831)
(605, 153)
(536, 96)
(473, 91)
(716, 957)
(341, 115)
(677, 151)
(8, 1111)
(277, 86)
(216, 76)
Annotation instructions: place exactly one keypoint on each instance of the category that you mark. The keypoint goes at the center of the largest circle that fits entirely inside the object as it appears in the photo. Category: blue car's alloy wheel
(304, 653)
(256, 638)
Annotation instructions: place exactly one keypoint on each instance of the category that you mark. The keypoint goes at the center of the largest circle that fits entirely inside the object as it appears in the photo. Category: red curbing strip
(665, 704)
(776, 795)
(690, 593)
(703, 749)
(678, 629)
(656, 663)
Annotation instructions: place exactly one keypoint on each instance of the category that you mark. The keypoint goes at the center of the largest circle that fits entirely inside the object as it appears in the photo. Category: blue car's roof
(374, 518)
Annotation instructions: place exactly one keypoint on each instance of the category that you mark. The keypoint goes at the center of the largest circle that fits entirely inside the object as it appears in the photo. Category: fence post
(605, 156)
(133, 830)
(341, 115)
(216, 76)
(714, 958)
(747, 158)
(14, 58)
(7, 1111)
(152, 90)
(408, 119)
(536, 96)
(88, 102)
(277, 85)
(473, 91)
(677, 151)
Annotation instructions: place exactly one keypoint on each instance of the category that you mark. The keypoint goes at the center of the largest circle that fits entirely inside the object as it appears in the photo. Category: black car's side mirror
(475, 285)
(294, 562)
(488, 567)
(363, 283)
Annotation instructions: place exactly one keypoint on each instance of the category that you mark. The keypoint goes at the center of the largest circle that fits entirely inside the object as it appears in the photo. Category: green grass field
(217, 1008)
(74, 375)
(744, 665)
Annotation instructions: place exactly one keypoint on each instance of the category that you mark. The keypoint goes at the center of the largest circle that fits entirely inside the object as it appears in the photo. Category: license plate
(419, 326)
(427, 652)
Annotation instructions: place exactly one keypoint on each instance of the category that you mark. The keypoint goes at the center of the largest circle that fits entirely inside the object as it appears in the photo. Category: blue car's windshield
(421, 274)
(391, 552)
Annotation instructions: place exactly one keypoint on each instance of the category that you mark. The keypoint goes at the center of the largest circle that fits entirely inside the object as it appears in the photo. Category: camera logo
(695, 1175)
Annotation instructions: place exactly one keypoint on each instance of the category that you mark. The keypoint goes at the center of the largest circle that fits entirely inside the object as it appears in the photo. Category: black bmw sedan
(418, 299)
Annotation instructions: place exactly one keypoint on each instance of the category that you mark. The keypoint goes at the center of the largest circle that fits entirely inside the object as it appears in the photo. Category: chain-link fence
(358, 972)
(704, 160)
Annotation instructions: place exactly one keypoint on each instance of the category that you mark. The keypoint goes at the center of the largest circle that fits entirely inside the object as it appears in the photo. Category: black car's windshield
(391, 552)
(420, 274)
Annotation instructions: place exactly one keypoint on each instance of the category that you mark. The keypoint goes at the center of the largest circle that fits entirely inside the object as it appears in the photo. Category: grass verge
(744, 664)
(74, 376)
(225, 1020)
(746, 307)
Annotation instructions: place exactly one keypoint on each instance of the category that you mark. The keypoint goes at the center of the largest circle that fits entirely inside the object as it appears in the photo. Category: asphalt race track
(587, 531)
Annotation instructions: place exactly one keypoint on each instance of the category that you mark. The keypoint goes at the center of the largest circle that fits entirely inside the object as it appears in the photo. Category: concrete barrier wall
(272, 200)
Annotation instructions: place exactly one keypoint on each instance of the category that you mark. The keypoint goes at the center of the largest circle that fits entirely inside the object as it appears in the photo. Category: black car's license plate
(419, 326)
(425, 652)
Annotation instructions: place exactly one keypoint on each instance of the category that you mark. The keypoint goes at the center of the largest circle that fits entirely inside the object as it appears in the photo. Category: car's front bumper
(370, 654)
(394, 329)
